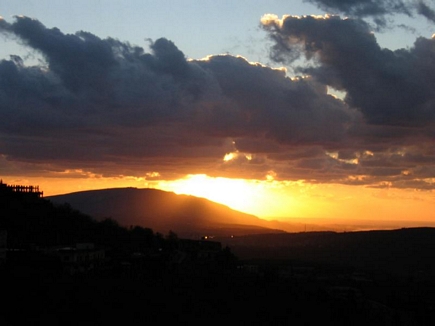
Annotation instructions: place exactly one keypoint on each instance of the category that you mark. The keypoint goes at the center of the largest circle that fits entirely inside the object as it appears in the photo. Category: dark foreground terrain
(308, 295)
(59, 266)
(298, 285)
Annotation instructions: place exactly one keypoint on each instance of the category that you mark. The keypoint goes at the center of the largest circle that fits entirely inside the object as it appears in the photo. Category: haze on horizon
(319, 109)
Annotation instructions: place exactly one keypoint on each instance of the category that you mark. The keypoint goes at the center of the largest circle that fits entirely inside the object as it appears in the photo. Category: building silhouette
(28, 191)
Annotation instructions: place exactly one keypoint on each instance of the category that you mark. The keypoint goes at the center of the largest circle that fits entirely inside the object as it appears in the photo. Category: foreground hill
(162, 211)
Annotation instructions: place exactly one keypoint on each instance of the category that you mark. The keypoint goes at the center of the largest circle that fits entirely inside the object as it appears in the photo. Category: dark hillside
(32, 222)
(162, 211)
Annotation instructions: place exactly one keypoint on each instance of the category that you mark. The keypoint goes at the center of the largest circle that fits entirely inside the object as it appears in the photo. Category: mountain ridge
(164, 211)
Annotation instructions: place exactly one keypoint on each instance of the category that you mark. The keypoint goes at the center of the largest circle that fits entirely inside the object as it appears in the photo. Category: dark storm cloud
(106, 107)
(106, 74)
(102, 100)
(426, 11)
(388, 87)
(364, 7)
(265, 103)
(376, 9)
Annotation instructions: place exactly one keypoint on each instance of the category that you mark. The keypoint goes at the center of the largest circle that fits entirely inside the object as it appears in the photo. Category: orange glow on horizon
(268, 198)
(249, 196)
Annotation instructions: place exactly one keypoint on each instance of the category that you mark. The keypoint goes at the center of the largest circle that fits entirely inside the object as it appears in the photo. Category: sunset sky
(285, 108)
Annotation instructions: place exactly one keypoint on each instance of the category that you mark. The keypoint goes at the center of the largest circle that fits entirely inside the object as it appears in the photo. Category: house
(26, 191)
(81, 258)
(200, 249)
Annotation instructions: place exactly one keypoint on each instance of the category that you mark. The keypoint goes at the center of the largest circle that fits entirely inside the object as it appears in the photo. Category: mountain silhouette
(162, 211)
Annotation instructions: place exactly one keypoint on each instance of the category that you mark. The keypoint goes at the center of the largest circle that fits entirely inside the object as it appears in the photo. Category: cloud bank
(107, 107)
(378, 10)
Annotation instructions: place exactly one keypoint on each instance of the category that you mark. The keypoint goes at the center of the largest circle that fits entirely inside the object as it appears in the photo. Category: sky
(285, 108)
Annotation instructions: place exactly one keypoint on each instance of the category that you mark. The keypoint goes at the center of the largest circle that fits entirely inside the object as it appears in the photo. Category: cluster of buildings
(83, 258)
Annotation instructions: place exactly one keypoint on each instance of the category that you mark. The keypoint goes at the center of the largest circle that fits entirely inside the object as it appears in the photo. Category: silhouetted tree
(171, 241)
(141, 238)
